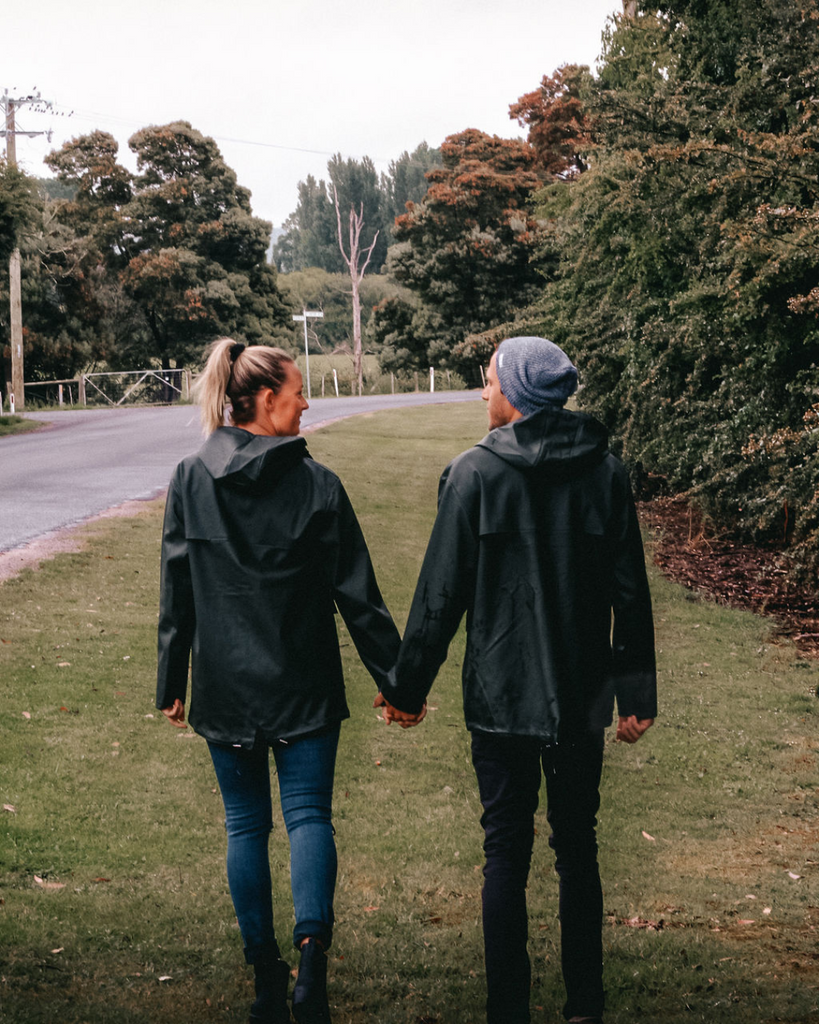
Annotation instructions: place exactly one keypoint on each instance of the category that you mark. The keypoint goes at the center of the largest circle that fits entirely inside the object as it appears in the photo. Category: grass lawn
(113, 899)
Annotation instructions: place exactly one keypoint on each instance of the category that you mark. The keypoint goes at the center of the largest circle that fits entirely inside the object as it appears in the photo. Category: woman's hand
(176, 714)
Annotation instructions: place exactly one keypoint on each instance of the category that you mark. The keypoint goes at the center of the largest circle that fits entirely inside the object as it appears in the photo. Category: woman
(260, 546)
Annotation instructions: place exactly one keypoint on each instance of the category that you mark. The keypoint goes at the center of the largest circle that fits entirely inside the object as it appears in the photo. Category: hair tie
(236, 349)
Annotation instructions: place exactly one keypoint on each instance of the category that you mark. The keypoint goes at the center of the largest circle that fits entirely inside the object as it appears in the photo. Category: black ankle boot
(270, 1006)
(310, 1004)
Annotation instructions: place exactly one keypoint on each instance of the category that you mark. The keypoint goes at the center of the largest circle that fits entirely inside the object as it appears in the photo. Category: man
(537, 540)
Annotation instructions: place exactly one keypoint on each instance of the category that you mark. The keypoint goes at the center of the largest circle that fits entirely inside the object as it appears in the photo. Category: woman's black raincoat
(260, 546)
(537, 540)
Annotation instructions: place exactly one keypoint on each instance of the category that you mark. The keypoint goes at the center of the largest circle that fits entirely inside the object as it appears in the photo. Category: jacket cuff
(398, 696)
(636, 694)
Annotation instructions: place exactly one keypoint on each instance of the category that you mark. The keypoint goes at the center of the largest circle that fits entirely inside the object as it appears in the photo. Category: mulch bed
(734, 574)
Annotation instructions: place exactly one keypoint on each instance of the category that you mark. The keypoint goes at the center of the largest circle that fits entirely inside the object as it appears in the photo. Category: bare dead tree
(357, 269)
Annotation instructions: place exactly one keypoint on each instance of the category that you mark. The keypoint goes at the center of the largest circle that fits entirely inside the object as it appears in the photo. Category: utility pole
(16, 306)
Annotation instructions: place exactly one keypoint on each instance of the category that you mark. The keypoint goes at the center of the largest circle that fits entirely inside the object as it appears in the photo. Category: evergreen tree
(681, 265)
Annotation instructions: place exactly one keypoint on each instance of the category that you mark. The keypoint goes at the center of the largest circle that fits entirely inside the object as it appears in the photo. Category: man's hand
(176, 714)
(403, 718)
(630, 729)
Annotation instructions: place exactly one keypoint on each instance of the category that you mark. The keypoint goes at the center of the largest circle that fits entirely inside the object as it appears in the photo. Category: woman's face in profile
(289, 404)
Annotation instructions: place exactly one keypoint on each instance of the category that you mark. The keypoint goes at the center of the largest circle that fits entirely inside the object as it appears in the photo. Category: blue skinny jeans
(509, 774)
(305, 770)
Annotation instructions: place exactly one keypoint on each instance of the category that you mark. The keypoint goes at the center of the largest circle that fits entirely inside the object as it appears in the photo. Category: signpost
(305, 315)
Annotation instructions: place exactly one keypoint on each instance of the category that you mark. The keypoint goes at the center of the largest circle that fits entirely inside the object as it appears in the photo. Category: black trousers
(509, 772)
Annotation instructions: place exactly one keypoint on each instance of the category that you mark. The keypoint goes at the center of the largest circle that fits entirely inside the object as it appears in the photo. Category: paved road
(89, 461)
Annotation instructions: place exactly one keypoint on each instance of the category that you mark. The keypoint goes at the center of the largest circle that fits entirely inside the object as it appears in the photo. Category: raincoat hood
(562, 442)
(236, 458)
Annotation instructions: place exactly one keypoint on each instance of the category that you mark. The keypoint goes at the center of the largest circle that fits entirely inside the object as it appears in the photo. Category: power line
(97, 116)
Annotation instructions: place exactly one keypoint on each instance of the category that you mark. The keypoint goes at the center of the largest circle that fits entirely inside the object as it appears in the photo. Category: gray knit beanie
(534, 373)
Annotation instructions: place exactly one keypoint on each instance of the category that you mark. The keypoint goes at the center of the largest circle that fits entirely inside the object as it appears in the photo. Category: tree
(309, 239)
(83, 251)
(311, 235)
(357, 260)
(168, 260)
(20, 208)
(681, 265)
(407, 182)
(556, 119)
(402, 333)
(312, 238)
(466, 249)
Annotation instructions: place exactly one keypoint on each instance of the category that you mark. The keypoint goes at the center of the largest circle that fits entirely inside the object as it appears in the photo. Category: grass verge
(114, 901)
(17, 425)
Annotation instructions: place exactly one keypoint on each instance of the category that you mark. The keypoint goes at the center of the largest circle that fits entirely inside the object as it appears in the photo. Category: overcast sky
(283, 85)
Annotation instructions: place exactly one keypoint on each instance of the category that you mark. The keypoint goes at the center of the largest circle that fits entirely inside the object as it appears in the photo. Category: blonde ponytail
(232, 377)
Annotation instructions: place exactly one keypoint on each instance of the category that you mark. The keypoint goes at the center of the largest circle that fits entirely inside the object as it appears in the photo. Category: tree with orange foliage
(557, 121)
(466, 249)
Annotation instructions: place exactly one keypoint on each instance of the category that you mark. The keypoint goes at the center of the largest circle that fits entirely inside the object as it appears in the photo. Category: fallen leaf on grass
(26, 714)
(369, 910)
(641, 922)
(165, 977)
(9, 808)
(48, 885)
(63, 664)
(767, 910)
(101, 879)
(651, 839)
(60, 950)
(794, 876)
(745, 921)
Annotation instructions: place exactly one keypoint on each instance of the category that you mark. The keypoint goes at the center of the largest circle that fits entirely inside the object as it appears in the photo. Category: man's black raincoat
(537, 540)
(260, 546)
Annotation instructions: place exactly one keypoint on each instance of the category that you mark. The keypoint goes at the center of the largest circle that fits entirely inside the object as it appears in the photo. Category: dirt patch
(738, 575)
(71, 539)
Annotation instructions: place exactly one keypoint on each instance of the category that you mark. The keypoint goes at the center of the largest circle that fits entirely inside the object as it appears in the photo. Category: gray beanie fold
(534, 373)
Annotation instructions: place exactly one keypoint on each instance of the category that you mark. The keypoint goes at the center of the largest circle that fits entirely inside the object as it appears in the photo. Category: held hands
(630, 729)
(403, 718)
(176, 714)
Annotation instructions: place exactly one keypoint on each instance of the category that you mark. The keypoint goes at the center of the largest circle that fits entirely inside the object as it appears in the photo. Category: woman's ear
(269, 400)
